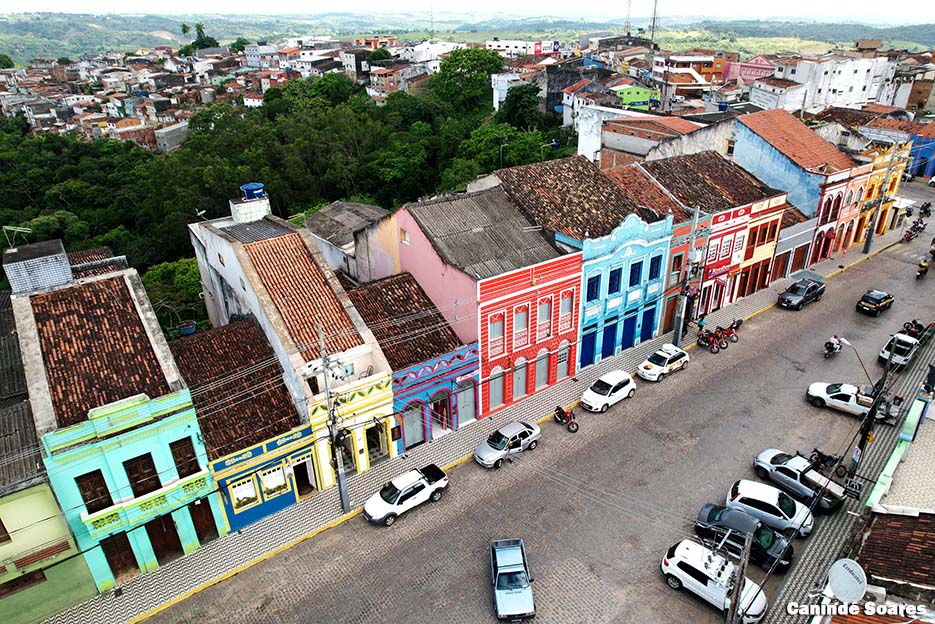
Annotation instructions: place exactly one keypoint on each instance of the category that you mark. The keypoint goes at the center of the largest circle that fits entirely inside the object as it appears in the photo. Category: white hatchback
(710, 576)
(771, 505)
(609, 390)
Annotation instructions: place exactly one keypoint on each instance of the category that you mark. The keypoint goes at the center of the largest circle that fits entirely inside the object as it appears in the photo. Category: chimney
(252, 206)
(39, 266)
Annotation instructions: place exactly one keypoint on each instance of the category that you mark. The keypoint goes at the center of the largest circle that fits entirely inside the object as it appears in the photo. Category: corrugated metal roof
(256, 230)
(337, 222)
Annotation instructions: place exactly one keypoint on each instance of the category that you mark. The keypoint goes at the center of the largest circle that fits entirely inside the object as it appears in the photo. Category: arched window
(519, 378)
(825, 213)
(849, 198)
(860, 194)
(837, 208)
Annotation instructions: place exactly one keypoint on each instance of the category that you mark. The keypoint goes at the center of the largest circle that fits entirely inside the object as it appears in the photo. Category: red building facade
(528, 328)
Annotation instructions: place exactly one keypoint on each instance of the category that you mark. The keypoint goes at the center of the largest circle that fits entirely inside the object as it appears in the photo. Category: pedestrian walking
(701, 322)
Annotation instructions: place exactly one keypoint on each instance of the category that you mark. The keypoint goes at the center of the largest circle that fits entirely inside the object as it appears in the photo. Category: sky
(830, 10)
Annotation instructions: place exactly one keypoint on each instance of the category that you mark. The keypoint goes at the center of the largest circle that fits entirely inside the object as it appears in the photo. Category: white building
(771, 92)
(835, 80)
(428, 52)
(501, 83)
(261, 54)
(517, 47)
(590, 121)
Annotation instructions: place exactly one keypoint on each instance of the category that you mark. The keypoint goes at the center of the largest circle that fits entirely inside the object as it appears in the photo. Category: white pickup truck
(405, 492)
(843, 397)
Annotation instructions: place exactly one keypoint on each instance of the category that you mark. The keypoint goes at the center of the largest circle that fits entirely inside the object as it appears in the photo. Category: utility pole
(336, 447)
(681, 308)
(878, 207)
(735, 612)
(652, 24)
(866, 428)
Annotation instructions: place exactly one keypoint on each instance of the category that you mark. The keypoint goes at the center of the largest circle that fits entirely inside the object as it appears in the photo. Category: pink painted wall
(452, 291)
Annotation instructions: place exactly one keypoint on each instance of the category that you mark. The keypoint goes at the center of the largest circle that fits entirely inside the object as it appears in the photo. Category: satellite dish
(847, 581)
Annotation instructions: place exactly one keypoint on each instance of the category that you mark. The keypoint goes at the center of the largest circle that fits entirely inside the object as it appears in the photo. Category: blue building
(116, 424)
(623, 282)
(922, 155)
(435, 377)
(625, 247)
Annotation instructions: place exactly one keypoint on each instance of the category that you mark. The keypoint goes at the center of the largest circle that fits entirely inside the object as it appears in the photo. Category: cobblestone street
(599, 508)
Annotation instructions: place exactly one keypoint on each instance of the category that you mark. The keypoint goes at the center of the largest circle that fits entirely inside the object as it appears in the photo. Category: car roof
(905, 338)
(697, 554)
(406, 479)
(755, 489)
(669, 349)
(615, 376)
(804, 282)
(876, 294)
(798, 463)
(737, 520)
(512, 428)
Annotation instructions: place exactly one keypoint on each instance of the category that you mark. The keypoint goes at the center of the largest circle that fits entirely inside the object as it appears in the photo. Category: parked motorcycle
(908, 211)
(923, 269)
(909, 235)
(832, 348)
(918, 225)
(925, 210)
(721, 336)
(823, 461)
(707, 340)
(567, 418)
(913, 328)
(727, 332)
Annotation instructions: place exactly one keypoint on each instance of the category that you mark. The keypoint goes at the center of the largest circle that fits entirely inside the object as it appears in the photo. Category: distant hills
(52, 35)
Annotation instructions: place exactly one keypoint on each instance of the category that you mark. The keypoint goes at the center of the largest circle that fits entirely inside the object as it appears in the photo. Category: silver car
(508, 440)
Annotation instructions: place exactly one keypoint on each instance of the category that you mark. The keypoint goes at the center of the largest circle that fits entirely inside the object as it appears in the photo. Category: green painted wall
(637, 98)
(66, 584)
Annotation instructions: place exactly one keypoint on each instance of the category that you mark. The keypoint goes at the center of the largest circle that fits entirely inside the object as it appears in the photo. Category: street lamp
(553, 144)
(845, 341)
(502, 145)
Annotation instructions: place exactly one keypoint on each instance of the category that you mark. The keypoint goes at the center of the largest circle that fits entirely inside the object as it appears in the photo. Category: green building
(636, 97)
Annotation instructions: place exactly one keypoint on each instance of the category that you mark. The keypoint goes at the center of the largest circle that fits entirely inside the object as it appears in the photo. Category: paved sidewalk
(226, 556)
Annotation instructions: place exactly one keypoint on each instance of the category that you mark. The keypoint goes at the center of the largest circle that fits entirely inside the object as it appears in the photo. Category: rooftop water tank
(252, 190)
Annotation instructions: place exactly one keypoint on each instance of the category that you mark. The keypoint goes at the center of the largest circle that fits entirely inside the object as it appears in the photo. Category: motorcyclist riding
(833, 346)
(923, 268)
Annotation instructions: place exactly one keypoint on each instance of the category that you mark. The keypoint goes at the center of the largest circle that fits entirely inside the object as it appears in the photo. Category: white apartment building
(517, 47)
(261, 54)
(835, 80)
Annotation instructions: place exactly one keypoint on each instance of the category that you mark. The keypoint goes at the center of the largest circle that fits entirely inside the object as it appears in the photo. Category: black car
(715, 522)
(875, 301)
(800, 293)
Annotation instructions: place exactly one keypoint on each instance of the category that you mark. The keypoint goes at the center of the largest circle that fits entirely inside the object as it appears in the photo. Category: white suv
(710, 576)
(771, 505)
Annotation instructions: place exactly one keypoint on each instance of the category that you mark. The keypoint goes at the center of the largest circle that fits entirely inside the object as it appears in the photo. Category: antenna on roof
(7, 229)
(201, 213)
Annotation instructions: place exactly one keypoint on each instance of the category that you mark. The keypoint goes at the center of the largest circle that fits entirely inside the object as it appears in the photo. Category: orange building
(690, 73)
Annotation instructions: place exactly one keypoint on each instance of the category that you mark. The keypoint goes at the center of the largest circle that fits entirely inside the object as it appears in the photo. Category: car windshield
(497, 441)
(601, 387)
(658, 359)
(787, 505)
(389, 493)
(780, 459)
(798, 289)
(512, 580)
(764, 536)
(834, 388)
(873, 297)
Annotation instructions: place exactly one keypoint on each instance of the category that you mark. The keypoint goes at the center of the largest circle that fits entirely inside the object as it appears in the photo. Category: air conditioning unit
(876, 594)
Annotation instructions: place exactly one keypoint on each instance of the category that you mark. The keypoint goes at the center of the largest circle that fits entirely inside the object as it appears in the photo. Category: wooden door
(205, 527)
(120, 557)
(141, 472)
(798, 258)
(779, 266)
(94, 491)
(183, 454)
(164, 539)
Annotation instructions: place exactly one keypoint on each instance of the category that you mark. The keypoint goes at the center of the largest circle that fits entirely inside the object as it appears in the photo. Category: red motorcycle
(707, 340)
(566, 418)
(727, 332)
(721, 335)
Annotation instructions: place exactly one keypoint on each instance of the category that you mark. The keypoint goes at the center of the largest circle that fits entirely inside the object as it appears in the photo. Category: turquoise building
(117, 428)
(623, 282)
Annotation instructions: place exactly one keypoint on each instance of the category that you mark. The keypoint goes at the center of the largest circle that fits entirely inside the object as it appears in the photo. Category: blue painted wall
(605, 316)
(923, 149)
(416, 385)
(775, 169)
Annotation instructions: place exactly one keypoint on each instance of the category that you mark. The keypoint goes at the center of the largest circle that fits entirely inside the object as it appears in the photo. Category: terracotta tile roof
(690, 111)
(640, 188)
(302, 295)
(93, 262)
(883, 109)
(95, 348)
(777, 82)
(791, 137)
(672, 126)
(900, 548)
(792, 216)
(913, 128)
(418, 335)
(867, 619)
(237, 386)
(89, 255)
(578, 85)
(849, 117)
(708, 180)
(569, 195)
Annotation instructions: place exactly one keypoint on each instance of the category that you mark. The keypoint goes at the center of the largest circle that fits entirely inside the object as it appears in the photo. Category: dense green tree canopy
(520, 108)
(380, 54)
(239, 44)
(5, 61)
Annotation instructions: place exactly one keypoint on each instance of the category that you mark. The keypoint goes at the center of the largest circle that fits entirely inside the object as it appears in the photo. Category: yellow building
(880, 155)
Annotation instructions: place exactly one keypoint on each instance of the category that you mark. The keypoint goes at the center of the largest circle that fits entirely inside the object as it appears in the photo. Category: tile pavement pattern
(223, 556)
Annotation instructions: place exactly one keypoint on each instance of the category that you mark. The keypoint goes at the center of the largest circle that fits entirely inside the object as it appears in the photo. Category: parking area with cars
(597, 510)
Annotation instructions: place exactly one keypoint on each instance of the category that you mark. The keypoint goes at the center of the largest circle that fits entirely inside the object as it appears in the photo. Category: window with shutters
(594, 287)
(565, 311)
(141, 472)
(636, 274)
(495, 335)
(520, 326)
(544, 319)
(94, 491)
(183, 454)
(655, 267)
(613, 283)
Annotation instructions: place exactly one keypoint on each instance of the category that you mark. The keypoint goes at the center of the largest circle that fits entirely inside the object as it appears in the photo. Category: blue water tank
(252, 190)
(722, 106)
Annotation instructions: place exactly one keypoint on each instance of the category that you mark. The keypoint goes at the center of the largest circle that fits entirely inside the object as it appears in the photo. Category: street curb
(246, 566)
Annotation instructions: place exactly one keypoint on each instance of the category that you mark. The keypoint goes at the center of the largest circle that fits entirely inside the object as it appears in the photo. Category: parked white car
(843, 397)
(667, 359)
(710, 576)
(903, 346)
(771, 505)
(609, 390)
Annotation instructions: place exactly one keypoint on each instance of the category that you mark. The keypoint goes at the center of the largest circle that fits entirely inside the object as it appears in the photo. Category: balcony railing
(496, 346)
(543, 330)
(138, 510)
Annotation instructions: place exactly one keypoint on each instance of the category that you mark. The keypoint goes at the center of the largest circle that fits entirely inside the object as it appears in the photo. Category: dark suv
(715, 522)
(800, 293)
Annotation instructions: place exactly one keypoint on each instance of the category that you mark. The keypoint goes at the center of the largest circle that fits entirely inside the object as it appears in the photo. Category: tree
(238, 46)
(199, 31)
(174, 288)
(187, 50)
(5, 62)
(335, 88)
(520, 108)
(380, 54)
(488, 142)
(63, 60)
(463, 79)
(186, 29)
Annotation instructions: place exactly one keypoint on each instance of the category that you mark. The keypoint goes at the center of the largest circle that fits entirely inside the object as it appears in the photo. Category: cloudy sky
(829, 10)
